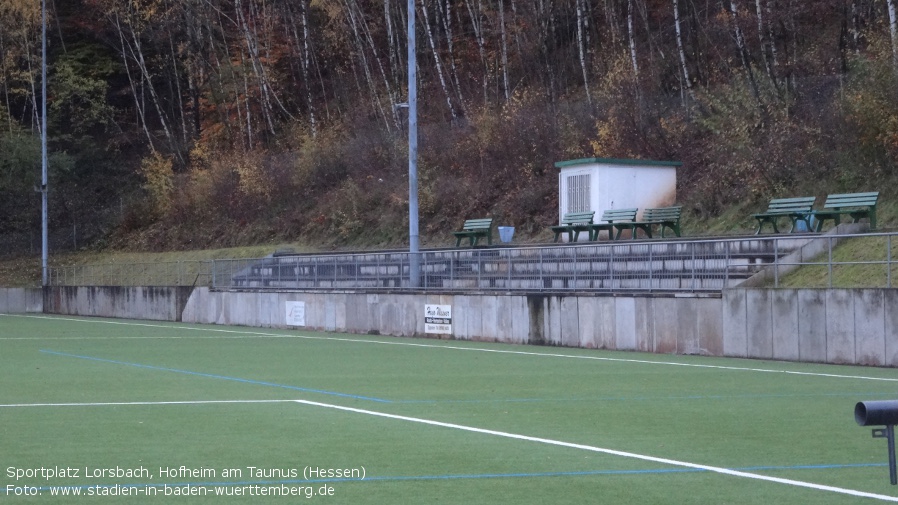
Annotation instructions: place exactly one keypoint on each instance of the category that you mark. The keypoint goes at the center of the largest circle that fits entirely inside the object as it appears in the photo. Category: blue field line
(401, 478)
(649, 398)
(223, 377)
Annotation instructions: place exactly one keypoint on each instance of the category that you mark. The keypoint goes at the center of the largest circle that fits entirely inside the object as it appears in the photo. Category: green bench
(619, 218)
(474, 229)
(856, 205)
(796, 209)
(573, 223)
(665, 217)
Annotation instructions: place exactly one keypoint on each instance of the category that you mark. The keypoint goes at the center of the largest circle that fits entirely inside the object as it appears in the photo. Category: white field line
(503, 434)
(250, 334)
(643, 457)
(116, 404)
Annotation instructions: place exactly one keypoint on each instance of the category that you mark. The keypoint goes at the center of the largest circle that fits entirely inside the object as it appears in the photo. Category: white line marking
(559, 443)
(250, 334)
(115, 404)
(503, 434)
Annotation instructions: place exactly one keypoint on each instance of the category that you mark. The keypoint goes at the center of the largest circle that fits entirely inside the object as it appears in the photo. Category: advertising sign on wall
(296, 313)
(438, 319)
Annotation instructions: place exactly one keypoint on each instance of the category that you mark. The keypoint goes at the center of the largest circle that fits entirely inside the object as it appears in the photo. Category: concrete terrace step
(675, 265)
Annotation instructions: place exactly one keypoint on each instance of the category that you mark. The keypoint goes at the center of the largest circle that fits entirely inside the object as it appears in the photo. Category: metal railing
(708, 265)
(173, 273)
(640, 265)
(837, 261)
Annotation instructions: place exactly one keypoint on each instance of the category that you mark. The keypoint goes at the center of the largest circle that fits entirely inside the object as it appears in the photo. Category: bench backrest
(478, 224)
(851, 200)
(662, 214)
(788, 205)
(578, 217)
(618, 215)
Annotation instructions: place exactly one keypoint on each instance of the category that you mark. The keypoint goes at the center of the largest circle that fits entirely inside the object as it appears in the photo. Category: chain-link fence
(174, 273)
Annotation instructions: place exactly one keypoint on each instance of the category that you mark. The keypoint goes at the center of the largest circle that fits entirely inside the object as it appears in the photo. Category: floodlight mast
(414, 259)
(44, 238)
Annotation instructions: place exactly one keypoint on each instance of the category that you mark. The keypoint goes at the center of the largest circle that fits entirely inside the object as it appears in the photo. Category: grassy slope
(23, 271)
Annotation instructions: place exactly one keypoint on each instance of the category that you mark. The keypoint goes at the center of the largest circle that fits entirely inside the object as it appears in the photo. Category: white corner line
(252, 334)
(613, 452)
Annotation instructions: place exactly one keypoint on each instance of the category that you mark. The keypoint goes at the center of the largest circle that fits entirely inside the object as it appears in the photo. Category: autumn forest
(176, 124)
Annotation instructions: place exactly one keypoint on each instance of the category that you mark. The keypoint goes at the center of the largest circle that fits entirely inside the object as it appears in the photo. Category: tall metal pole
(44, 238)
(414, 258)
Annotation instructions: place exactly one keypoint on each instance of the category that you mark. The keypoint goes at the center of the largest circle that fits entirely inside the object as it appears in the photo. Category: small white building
(600, 184)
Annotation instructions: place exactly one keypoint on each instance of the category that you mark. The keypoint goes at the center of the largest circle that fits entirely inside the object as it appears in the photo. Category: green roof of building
(613, 161)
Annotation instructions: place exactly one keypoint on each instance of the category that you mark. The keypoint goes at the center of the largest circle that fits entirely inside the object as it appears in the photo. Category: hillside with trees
(178, 124)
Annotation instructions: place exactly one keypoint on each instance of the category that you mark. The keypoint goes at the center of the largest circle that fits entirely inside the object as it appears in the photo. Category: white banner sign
(296, 313)
(438, 319)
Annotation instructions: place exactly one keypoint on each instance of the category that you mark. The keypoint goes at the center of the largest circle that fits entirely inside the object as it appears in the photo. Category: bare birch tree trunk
(436, 59)
(310, 103)
(893, 30)
(477, 25)
(582, 50)
(762, 39)
(138, 105)
(356, 22)
(392, 44)
(687, 81)
(504, 42)
(446, 14)
(743, 50)
(632, 40)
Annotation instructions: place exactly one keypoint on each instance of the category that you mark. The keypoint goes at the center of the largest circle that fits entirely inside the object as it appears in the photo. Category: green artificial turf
(127, 394)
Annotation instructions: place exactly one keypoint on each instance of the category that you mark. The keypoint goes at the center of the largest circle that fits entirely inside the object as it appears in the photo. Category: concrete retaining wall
(687, 325)
(847, 326)
(155, 303)
(19, 300)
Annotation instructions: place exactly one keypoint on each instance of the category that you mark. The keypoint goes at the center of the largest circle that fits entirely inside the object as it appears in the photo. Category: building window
(578, 193)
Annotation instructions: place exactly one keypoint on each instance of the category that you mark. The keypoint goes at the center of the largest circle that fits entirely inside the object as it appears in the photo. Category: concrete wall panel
(735, 323)
(588, 322)
(16, 302)
(489, 317)
(34, 300)
(812, 325)
(570, 321)
(709, 325)
(625, 323)
(505, 315)
(667, 329)
(869, 327)
(462, 317)
(553, 320)
(608, 327)
(890, 307)
(520, 321)
(760, 337)
(688, 341)
(784, 324)
(645, 324)
(840, 326)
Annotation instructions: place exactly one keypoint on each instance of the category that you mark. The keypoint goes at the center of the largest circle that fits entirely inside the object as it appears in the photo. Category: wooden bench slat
(664, 217)
(474, 229)
(796, 209)
(613, 218)
(573, 223)
(856, 205)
